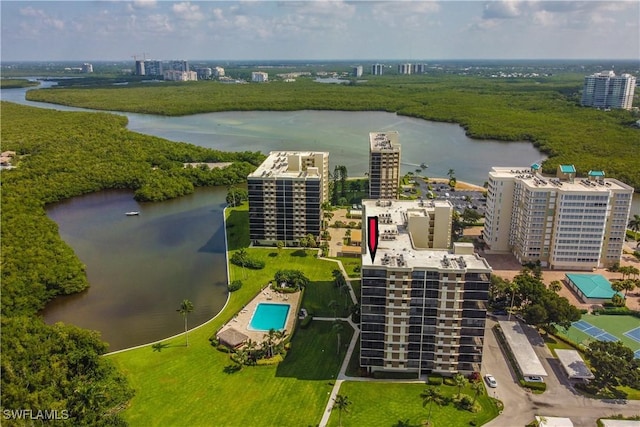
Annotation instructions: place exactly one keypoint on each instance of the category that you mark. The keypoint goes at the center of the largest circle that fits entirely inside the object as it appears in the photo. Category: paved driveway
(559, 400)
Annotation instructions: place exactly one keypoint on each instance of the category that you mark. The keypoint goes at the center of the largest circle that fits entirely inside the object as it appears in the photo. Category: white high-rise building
(404, 68)
(180, 76)
(357, 71)
(259, 76)
(606, 90)
(563, 221)
(377, 69)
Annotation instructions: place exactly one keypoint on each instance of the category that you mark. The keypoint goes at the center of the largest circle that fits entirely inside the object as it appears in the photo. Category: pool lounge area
(272, 308)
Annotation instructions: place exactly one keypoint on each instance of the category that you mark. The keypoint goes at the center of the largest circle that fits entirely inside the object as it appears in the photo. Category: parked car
(534, 379)
(491, 381)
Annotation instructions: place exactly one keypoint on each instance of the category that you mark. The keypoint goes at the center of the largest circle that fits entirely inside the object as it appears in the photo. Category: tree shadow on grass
(232, 369)
(299, 253)
(313, 354)
(159, 346)
(238, 228)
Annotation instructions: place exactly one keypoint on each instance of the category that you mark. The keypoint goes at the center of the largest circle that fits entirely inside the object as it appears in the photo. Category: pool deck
(241, 320)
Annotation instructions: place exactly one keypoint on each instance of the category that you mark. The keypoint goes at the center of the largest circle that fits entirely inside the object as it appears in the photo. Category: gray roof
(232, 337)
(521, 348)
(573, 364)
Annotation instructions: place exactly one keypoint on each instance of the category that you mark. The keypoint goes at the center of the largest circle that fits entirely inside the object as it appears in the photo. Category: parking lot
(462, 197)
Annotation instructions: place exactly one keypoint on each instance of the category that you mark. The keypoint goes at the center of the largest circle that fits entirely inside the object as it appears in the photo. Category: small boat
(423, 165)
(132, 213)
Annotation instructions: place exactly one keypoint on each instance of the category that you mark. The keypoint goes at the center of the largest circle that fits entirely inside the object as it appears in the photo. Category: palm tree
(337, 328)
(628, 285)
(341, 402)
(346, 288)
(634, 224)
(334, 306)
(555, 286)
(269, 339)
(280, 244)
(477, 388)
(460, 381)
(430, 395)
(513, 287)
(186, 307)
(451, 173)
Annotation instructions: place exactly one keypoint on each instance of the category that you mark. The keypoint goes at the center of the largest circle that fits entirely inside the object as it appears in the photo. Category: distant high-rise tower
(152, 67)
(180, 65)
(87, 68)
(418, 68)
(140, 70)
(376, 69)
(404, 68)
(384, 165)
(606, 90)
(357, 71)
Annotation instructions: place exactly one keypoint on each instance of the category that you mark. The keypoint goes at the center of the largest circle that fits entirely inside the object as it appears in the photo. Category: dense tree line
(61, 155)
(544, 111)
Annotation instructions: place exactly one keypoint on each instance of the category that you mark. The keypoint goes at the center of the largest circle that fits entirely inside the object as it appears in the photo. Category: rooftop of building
(282, 164)
(395, 246)
(595, 181)
(592, 285)
(384, 141)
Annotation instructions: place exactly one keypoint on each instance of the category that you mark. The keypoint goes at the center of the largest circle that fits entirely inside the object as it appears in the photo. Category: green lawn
(293, 393)
(384, 404)
(350, 264)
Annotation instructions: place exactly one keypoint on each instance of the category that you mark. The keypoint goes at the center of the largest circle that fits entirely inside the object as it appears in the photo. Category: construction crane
(136, 55)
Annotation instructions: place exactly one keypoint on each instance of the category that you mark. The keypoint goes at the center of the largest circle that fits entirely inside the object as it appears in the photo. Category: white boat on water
(132, 213)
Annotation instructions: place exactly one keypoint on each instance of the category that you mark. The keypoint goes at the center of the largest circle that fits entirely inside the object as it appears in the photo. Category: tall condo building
(377, 69)
(259, 76)
(564, 222)
(357, 71)
(404, 68)
(179, 65)
(606, 90)
(423, 306)
(285, 196)
(384, 165)
(149, 67)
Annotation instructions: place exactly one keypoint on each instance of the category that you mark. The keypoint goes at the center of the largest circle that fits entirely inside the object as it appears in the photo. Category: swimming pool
(269, 316)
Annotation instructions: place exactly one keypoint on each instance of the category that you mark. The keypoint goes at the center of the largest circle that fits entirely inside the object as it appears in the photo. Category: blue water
(269, 316)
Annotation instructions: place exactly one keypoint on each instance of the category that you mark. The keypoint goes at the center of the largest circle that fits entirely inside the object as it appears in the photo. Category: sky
(319, 30)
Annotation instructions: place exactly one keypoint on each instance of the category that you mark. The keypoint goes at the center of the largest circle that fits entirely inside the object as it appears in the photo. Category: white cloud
(502, 9)
(188, 11)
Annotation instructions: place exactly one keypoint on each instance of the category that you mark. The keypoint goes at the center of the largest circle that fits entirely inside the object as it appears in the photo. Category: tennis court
(594, 331)
(602, 327)
(634, 334)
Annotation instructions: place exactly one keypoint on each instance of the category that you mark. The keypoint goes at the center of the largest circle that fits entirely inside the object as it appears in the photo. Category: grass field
(615, 325)
(384, 404)
(350, 264)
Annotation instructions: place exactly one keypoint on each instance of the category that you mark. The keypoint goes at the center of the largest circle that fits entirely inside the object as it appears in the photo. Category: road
(559, 400)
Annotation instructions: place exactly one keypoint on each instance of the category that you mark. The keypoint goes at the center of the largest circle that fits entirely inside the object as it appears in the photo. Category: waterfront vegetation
(62, 155)
(16, 83)
(544, 111)
(402, 402)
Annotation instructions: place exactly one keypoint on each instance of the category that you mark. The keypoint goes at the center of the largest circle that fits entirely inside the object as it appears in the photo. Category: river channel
(141, 268)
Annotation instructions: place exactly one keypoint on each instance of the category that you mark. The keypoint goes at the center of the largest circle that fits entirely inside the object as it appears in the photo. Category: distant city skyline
(319, 30)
